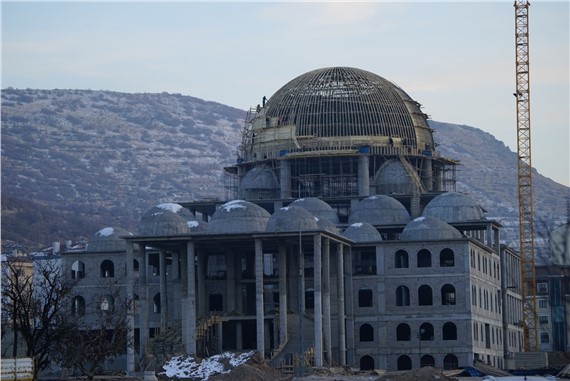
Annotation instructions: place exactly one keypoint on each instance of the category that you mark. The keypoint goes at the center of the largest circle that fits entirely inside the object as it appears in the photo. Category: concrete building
(344, 242)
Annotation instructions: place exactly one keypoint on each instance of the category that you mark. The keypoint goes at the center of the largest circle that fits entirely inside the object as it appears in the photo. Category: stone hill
(74, 161)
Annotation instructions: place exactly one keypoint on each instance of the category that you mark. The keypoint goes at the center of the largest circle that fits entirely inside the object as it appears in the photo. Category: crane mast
(526, 225)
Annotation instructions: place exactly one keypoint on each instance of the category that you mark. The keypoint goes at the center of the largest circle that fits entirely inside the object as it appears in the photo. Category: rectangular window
(543, 319)
(543, 303)
(542, 287)
(544, 338)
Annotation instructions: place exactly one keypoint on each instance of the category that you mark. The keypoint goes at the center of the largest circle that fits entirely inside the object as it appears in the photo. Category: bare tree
(98, 335)
(34, 304)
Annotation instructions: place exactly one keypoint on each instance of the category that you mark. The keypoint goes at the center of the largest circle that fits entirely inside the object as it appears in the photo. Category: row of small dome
(239, 216)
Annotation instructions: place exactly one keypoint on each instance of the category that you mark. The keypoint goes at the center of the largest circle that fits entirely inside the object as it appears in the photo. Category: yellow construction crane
(526, 225)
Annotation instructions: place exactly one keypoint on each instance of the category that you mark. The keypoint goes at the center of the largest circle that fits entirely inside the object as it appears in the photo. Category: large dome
(343, 101)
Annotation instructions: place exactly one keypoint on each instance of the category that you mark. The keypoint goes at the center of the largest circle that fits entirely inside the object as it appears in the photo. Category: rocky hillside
(74, 161)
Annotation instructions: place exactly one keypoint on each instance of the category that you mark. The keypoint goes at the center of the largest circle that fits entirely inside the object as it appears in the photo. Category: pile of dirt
(255, 369)
(423, 374)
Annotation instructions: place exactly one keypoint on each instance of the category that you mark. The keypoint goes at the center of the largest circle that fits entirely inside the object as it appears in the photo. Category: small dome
(259, 178)
(238, 216)
(317, 208)
(326, 225)
(392, 177)
(454, 207)
(291, 219)
(429, 229)
(165, 219)
(379, 210)
(194, 225)
(362, 232)
(560, 245)
(108, 240)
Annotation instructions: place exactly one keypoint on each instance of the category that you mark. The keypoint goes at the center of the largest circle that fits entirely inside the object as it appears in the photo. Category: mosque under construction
(342, 241)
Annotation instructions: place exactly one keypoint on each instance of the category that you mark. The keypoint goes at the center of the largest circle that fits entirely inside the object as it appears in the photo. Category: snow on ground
(189, 367)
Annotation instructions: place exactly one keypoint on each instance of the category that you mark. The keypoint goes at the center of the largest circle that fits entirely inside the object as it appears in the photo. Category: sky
(455, 58)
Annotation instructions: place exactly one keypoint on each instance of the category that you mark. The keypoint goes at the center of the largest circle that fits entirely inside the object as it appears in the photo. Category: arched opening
(78, 306)
(402, 296)
(449, 331)
(365, 297)
(401, 259)
(156, 303)
(366, 363)
(448, 295)
(425, 296)
(450, 362)
(446, 258)
(216, 302)
(404, 363)
(107, 269)
(403, 332)
(427, 360)
(77, 270)
(366, 332)
(135, 265)
(426, 332)
(424, 258)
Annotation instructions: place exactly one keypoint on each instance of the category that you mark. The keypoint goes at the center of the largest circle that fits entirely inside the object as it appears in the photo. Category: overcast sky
(455, 58)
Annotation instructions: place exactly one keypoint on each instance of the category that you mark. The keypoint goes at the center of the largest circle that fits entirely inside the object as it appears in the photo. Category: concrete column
(184, 290)
(341, 305)
(317, 256)
(230, 282)
(143, 297)
(190, 338)
(363, 176)
(349, 293)
(174, 267)
(427, 175)
(301, 280)
(163, 291)
(259, 313)
(201, 284)
(282, 294)
(285, 179)
(327, 301)
(130, 312)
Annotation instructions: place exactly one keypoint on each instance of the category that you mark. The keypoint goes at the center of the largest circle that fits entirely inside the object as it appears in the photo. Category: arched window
(403, 332)
(401, 259)
(426, 332)
(449, 331)
(446, 258)
(425, 296)
(107, 269)
(77, 270)
(447, 295)
(156, 303)
(424, 258)
(107, 303)
(216, 302)
(78, 306)
(310, 298)
(366, 363)
(366, 332)
(135, 265)
(365, 297)
(450, 362)
(402, 296)
(427, 360)
(404, 363)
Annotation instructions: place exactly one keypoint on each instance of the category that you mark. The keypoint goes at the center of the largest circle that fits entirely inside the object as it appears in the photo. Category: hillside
(74, 161)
